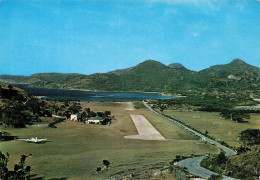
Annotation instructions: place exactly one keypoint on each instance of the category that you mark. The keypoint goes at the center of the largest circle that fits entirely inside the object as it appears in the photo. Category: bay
(78, 95)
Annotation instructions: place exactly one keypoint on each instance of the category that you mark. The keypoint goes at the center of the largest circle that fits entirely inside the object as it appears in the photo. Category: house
(95, 120)
(75, 117)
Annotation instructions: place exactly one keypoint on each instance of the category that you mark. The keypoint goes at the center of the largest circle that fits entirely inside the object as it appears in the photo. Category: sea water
(78, 95)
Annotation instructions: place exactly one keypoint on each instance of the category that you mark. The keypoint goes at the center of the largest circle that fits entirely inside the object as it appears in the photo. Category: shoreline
(88, 90)
(170, 94)
(162, 94)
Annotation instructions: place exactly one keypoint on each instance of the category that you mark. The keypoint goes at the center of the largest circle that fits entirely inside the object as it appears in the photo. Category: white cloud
(195, 34)
(258, 0)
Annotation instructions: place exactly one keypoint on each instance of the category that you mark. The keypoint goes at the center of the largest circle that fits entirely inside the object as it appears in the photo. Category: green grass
(223, 129)
(76, 149)
(138, 105)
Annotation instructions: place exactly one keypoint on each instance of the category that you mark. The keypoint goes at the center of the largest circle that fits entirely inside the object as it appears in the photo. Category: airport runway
(145, 129)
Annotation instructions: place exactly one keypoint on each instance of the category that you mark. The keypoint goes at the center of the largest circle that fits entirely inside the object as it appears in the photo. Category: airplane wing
(34, 140)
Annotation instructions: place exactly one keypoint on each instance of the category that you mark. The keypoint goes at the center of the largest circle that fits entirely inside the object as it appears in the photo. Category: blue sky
(89, 36)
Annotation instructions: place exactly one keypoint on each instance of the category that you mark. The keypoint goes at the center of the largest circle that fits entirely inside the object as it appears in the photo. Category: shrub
(21, 171)
(221, 158)
(250, 137)
(215, 177)
(106, 163)
(98, 169)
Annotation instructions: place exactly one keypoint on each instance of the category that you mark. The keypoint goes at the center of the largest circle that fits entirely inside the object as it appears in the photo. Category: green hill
(151, 76)
(237, 75)
(18, 108)
(236, 67)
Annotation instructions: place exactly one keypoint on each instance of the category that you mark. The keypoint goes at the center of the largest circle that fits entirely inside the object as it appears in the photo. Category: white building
(75, 117)
(95, 120)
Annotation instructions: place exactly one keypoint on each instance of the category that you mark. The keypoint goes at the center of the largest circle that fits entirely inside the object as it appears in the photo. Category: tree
(221, 158)
(92, 114)
(84, 115)
(21, 171)
(75, 108)
(15, 115)
(3, 165)
(87, 110)
(107, 113)
(215, 177)
(98, 169)
(10, 87)
(66, 104)
(206, 132)
(67, 114)
(234, 115)
(33, 105)
(47, 113)
(250, 137)
(101, 114)
(162, 107)
(106, 163)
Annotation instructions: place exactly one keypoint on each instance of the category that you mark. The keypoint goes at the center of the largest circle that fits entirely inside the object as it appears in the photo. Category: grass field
(75, 149)
(217, 127)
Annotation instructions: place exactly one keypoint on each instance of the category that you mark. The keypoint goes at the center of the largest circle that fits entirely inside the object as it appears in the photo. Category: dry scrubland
(76, 149)
(222, 129)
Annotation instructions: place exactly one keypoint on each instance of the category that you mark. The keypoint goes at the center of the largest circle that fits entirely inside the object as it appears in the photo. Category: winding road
(193, 164)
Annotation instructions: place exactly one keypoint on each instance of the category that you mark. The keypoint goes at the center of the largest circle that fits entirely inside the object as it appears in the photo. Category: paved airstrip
(145, 129)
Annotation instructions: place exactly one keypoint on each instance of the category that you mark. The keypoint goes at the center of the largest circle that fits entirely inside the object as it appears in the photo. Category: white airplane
(34, 140)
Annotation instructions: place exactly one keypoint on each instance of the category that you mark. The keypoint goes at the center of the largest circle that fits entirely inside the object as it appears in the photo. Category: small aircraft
(34, 140)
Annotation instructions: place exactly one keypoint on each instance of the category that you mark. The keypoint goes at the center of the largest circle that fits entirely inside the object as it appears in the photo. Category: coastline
(87, 95)
(163, 94)
(88, 90)
(170, 94)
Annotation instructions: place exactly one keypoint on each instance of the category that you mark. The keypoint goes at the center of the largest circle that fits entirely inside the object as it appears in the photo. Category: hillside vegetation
(242, 166)
(153, 76)
(18, 108)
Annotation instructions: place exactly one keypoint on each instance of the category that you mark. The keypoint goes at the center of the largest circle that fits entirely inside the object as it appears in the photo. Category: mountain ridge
(150, 75)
